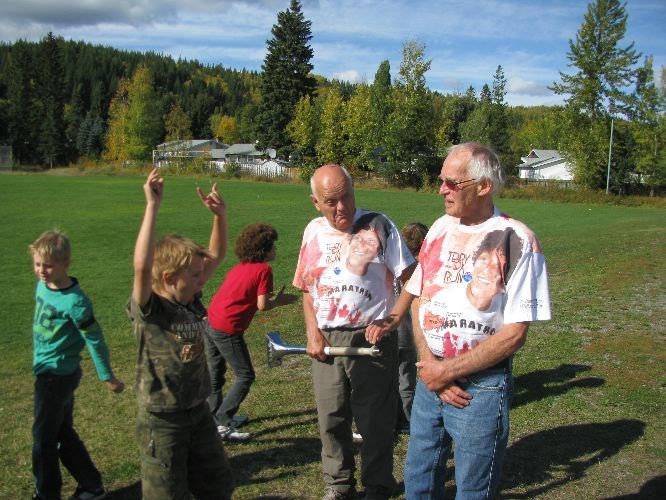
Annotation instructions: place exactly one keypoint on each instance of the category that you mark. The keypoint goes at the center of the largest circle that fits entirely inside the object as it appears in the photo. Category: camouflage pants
(181, 455)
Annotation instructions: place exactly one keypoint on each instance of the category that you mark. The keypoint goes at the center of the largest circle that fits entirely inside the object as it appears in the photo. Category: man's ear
(315, 202)
(484, 187)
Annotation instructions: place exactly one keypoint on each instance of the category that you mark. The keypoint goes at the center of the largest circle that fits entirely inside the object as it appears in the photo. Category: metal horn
(276, 349)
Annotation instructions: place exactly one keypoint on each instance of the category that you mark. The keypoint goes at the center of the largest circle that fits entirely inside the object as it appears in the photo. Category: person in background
(246, 289)
(180, 449)
(413, 234)
(63, 324)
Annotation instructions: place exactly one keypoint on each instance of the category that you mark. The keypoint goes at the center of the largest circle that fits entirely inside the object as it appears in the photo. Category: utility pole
(610, 148)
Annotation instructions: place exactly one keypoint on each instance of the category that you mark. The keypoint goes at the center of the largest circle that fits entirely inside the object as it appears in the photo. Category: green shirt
(63, 323)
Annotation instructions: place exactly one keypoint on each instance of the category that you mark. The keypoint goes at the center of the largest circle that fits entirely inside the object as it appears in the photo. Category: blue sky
(466, 40)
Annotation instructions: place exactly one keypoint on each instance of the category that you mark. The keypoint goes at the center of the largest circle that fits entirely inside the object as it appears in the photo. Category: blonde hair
(51, 244)
(172, 254)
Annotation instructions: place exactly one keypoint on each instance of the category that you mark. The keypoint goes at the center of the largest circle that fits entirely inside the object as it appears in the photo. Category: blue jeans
(54, 439)
(222, 348)
(480, 432)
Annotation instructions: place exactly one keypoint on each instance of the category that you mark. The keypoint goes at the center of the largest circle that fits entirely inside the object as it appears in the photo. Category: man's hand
(380, 327)
(453, 395)
(213, 200)
(315, 347)
(115, 385)
(433, 373)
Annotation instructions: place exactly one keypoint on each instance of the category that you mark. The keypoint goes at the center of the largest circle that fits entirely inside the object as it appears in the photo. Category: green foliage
(51, 145)
(604, 68)
(134, 120)
(331, 142)
(177, 124)
(410, 137)
(286, 77)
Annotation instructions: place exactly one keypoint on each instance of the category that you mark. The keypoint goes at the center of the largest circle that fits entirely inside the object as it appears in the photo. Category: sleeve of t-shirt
(265, 281)
(398, 257)
(414, 284)
(528, 298)
(84, 318)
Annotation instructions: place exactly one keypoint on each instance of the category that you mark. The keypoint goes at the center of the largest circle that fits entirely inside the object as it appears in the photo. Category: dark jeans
(54, 439)
(221, 349)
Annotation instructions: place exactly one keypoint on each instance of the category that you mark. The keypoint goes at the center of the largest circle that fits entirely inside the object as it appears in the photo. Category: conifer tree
(52, 138)
(286, 77)
(604, 69)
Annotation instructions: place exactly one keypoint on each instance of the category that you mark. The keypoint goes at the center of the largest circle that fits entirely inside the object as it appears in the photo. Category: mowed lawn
(588, 419)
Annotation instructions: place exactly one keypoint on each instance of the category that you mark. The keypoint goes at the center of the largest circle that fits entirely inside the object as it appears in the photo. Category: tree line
(63, 101)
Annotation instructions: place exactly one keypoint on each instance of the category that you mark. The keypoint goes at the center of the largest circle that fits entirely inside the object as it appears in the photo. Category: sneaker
(333, 494)
(357, 438)
(81, 494)
(232, 435)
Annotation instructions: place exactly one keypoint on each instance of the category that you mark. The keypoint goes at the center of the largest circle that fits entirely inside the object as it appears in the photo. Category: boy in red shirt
(246, 289)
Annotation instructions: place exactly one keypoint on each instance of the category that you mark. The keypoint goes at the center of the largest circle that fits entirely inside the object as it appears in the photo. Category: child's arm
(281, 299)
(144, 250)
(217, 245)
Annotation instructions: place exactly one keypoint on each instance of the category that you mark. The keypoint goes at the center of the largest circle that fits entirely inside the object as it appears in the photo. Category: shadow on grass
(654, 488)
(131, 492)
(280, 455)
(546, 383)
(548, 459)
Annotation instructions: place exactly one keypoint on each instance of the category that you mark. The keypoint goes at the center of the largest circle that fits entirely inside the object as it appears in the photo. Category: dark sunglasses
(453, 185)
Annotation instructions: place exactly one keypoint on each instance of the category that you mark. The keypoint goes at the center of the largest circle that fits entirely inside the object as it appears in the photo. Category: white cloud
(351, 76)
(518, 85)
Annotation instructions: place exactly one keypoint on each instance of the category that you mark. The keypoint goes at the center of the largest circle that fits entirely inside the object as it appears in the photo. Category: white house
(191, 148)
(545, 164)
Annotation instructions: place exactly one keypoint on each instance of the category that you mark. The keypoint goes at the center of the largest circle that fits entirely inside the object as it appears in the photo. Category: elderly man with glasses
(480, 281)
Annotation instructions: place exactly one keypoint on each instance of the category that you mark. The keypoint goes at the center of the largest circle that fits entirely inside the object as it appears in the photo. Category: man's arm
(419, 339)
(316, 341)
(144, 249)
(378, 328)
(438, 374)
(217, 245)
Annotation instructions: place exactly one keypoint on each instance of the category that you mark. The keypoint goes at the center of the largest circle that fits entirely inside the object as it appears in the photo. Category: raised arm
(144, 249)
(217, 245)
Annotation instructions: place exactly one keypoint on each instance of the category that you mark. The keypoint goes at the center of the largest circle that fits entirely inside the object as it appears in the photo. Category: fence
(6, 160)
(271, 171)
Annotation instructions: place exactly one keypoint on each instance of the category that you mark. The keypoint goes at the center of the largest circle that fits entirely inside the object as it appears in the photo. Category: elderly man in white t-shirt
(480, 281)
(347, 265)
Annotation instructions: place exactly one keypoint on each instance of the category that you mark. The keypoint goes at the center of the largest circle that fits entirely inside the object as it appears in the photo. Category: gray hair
(484, 164)
(344, 171)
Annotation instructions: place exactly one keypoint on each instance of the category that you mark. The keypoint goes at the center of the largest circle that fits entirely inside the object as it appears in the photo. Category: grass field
(588, 420)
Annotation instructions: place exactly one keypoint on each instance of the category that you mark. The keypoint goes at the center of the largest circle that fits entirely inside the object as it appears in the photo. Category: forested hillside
(82, 80)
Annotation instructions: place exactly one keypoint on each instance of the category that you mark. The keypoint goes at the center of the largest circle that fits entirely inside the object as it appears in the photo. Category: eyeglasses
(453, 185)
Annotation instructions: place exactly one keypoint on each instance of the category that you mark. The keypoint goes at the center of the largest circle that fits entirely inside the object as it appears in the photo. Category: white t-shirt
(346, 297)
(474, 279)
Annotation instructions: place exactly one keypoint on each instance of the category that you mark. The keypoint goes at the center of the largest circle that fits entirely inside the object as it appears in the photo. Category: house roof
(190, 144)
(243, 149)
(537, 156)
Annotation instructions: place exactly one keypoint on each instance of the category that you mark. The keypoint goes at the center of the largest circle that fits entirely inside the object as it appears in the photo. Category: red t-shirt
(235, 303)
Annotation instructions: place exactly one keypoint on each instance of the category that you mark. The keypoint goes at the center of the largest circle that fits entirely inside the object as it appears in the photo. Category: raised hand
(213, 200)
(154, 187)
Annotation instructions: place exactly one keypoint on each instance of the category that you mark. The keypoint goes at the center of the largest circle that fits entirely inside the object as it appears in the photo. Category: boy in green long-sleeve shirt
(63, 324)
